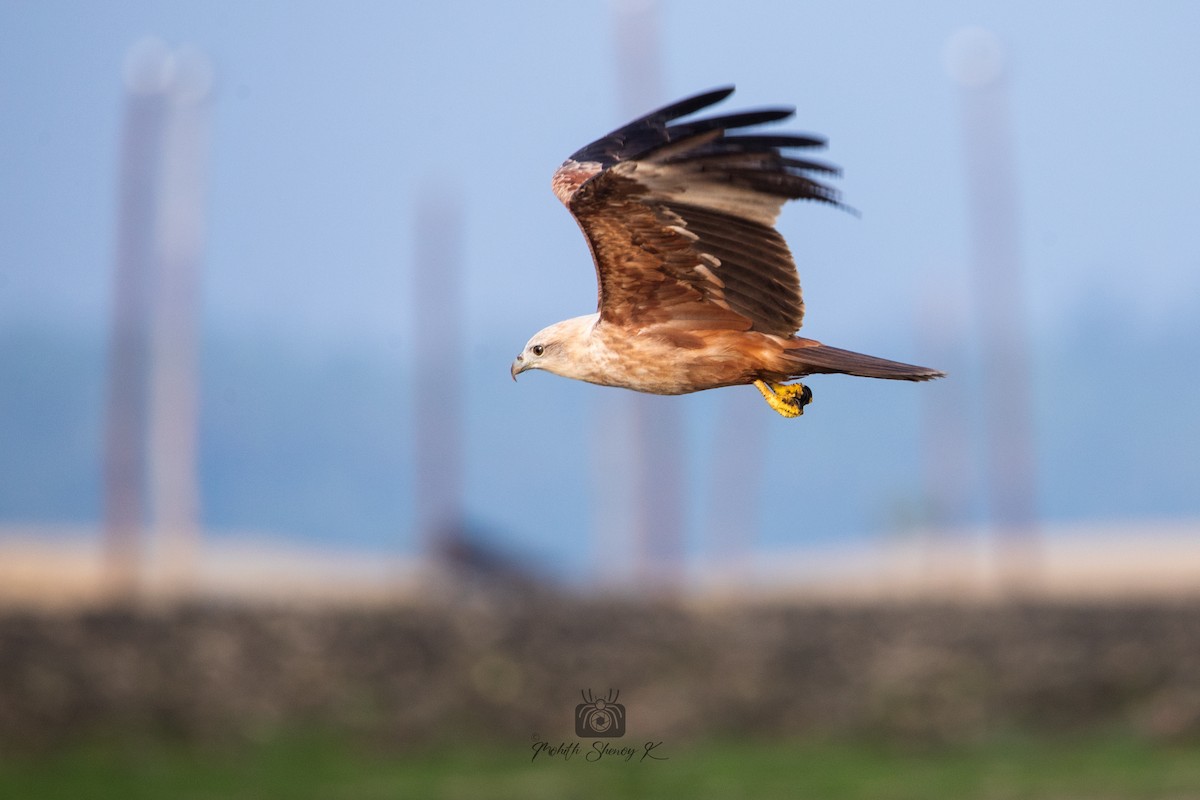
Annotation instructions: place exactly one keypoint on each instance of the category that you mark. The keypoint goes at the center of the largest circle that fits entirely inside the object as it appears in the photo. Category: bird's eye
(537, 349)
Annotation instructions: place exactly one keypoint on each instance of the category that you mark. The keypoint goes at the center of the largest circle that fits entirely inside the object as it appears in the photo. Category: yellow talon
(788, 399)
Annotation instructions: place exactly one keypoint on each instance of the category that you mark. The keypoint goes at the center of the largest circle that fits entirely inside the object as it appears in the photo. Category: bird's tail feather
(824, 359)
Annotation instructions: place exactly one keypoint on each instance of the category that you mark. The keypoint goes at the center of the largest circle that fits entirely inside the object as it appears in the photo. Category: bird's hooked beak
(518, 366)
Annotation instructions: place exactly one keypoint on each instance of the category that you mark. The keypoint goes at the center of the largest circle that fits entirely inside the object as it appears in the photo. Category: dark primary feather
(649, 133)
(729, 267)
(779, 140)
(633, 139)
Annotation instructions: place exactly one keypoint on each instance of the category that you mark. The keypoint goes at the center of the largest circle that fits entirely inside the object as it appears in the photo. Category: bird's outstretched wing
(680, 218)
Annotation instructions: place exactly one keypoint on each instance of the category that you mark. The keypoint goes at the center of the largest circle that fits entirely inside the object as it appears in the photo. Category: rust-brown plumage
(696, 287)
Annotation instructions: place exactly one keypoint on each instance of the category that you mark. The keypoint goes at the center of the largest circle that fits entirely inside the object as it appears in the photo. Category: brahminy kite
(697, 290)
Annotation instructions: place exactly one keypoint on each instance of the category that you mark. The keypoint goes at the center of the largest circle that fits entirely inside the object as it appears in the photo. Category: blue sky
(331, 122)
(330, 118)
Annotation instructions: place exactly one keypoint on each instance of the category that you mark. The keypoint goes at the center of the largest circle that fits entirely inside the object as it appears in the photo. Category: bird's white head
(561, 348)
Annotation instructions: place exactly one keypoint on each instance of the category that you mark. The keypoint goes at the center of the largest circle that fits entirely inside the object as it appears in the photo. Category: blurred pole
(657, 455)
(739, 447)
(946, 441)
(438, 325)
(975, 59)
(613, 444)
(129, 339)
(174, 419)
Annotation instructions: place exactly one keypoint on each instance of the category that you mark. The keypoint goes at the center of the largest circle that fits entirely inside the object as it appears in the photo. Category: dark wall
(503, 669)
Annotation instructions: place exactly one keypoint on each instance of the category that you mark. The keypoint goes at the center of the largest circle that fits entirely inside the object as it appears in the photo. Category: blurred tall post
(739, 443)
(174, 395)
(947, 465)
(657, 442)
(129, 339)
(438, 325)
(975, 59)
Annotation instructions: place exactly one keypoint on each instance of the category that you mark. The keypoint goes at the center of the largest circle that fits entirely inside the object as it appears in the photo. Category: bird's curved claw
(788, 399)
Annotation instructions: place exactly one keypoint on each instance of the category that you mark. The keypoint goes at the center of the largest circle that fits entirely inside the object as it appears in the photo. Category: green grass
(298, 768)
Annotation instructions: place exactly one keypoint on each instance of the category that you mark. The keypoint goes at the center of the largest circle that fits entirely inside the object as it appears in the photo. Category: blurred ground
(485, 665)
(57, 567)
(327, 767)
(897, 671)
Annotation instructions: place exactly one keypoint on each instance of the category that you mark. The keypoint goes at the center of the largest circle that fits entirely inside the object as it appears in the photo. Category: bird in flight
(697, 290)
